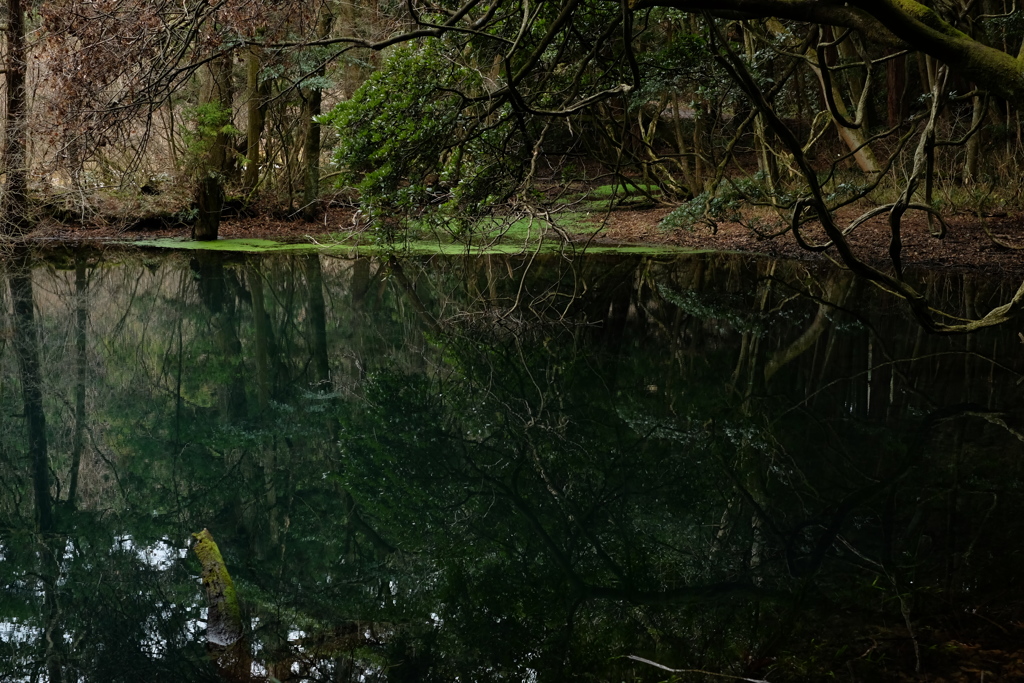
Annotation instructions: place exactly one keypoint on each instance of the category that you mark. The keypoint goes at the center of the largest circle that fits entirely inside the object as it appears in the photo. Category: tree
(15, 162)
(115, 68)
(26, 344)
(213, 147)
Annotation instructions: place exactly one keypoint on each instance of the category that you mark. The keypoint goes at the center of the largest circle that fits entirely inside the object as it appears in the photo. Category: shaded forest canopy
(430, 115)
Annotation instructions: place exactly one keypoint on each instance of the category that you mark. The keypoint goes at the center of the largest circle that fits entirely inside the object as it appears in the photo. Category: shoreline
(970, 244)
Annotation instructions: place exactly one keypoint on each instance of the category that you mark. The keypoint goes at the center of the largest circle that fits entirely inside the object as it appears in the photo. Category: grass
(619, 191)
(607, 197)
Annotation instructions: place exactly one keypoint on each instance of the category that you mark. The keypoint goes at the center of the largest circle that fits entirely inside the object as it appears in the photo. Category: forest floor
(993, 244)
(968, 243)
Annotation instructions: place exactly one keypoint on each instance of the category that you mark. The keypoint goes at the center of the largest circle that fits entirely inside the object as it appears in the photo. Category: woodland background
(433, 114)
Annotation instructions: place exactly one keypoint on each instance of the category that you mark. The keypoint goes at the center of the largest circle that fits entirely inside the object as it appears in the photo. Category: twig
(694, 671)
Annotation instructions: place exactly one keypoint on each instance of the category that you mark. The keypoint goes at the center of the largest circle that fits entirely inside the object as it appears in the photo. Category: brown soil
(261, 226)
(966, 245)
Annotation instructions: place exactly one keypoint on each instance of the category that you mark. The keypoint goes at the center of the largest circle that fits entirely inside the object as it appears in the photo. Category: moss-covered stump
(224, 618)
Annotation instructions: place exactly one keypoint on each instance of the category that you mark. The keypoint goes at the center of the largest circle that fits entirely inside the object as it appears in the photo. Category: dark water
(504, 469)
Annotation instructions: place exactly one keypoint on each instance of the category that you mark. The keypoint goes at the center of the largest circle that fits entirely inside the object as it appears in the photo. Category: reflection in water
(503, 469)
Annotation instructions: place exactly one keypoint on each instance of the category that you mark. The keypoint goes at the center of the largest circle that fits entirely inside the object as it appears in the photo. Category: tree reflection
(427, 471)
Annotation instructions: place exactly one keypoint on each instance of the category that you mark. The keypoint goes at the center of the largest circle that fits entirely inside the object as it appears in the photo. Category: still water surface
(504, 469)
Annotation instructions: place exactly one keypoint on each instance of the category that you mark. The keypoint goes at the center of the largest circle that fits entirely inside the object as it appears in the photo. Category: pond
(522, 468)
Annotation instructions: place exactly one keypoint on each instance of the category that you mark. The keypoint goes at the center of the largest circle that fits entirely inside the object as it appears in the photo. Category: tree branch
(890, 22)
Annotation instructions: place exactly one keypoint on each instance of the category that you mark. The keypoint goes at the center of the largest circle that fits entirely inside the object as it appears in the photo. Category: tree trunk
(215, 92)
(81, 372)
(856, 81)
(837, 289)
(26, 347)
(217, 286)
(351, 19)
(261, 327)
(256, 106)
(853, 138)
(681, 146)
(210, 204)
(318, 322)
(224, 628)
(15, 200)
(896, 96)
(765, 159)
(974, 142)
(312, 101)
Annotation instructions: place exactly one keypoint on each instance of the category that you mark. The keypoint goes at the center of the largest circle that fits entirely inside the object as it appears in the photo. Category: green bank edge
(424, 248)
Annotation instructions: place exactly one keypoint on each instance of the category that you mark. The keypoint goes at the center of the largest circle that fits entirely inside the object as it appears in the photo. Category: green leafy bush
(205, 123)
(419, 140)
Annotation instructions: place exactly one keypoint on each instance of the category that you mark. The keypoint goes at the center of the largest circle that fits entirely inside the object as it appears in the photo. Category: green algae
(412, 247)
(245, 244)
